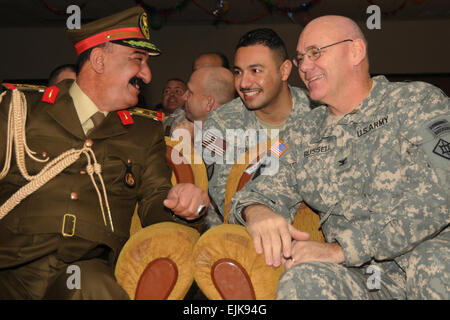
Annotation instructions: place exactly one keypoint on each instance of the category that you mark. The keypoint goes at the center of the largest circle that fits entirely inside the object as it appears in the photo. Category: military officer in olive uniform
(81, 214)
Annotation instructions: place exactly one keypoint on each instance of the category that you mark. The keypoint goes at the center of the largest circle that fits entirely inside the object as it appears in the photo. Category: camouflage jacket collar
(365, 112)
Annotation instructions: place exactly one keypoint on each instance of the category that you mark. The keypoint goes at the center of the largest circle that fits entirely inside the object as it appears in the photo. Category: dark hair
(55, 72)
(176, 79)
(266, 37)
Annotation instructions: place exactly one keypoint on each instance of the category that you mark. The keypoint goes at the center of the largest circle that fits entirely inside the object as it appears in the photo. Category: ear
(210, 101)
(97, 59)
(285, 69)
(358, 51)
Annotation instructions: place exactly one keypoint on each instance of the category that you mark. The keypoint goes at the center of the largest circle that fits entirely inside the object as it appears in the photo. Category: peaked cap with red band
(128, 28)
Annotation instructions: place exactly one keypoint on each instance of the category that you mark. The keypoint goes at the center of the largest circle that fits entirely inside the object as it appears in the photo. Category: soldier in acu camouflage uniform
(266, 101)
(374, 163)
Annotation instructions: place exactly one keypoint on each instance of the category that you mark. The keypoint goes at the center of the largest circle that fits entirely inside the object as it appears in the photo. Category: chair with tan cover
(224, 256)
(156, 262)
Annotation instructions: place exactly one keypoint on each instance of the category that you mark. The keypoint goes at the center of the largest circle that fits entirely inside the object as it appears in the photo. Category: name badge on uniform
(323, 148)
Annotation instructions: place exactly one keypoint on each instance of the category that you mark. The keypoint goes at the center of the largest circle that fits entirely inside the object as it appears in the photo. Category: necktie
(96, 118)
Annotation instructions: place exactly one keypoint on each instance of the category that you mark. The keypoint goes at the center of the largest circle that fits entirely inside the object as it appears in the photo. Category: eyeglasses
(313, 53)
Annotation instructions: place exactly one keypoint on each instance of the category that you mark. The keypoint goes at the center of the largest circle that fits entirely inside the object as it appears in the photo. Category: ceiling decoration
(26, 13)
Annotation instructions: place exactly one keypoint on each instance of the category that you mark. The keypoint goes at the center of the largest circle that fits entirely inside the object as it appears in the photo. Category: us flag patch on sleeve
(214, 143)
(279, 148)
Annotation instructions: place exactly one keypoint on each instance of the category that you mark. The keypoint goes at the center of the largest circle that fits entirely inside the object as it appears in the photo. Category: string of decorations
(221, 7)
(55, 10)
(390, 11)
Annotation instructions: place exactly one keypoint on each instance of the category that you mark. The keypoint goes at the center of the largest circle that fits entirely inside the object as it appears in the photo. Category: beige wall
(399, 47)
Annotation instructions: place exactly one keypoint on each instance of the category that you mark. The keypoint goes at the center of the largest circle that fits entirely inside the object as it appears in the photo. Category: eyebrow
(139, 52)
(312, 46)
(250, 66)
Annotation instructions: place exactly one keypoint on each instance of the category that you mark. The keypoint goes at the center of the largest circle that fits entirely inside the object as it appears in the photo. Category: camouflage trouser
(425, 276)
(212, 218)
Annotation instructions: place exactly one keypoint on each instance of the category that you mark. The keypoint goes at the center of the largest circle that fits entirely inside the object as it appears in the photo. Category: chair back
(243, 171)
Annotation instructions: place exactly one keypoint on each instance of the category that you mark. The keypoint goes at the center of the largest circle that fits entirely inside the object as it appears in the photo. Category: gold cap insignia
(143, 24)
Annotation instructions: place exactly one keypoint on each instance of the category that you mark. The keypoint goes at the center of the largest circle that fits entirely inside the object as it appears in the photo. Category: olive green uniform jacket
(54, 128)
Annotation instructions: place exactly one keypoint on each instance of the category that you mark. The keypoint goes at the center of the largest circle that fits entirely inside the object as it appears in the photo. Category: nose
(244, 80)
(185, 96)
(306, 65)
(145, 73)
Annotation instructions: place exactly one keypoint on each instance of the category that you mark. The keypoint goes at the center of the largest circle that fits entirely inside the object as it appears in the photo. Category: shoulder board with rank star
(50, 94)
(155, 115)
(125, 117)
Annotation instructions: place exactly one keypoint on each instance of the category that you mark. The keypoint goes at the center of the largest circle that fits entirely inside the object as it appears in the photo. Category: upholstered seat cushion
(233, 242)
(162, 240)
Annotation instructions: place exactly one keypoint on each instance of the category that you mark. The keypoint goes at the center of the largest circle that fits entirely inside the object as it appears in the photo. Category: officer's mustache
(137, 82)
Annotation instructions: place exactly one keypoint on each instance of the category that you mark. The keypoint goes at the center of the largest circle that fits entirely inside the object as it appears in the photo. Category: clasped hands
(281, 243)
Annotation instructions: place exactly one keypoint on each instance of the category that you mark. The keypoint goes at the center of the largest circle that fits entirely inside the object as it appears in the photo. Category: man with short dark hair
(266, 102)
(173, 103)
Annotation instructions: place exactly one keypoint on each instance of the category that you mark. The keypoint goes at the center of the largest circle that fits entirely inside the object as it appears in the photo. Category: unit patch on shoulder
(50, 94)
(442, 149)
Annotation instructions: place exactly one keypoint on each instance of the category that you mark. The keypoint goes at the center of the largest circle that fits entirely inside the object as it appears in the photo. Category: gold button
(82, 171)
(44, 154)
(74, 196)
(89, 143)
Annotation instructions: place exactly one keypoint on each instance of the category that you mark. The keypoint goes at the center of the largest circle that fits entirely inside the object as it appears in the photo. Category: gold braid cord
(16, 133)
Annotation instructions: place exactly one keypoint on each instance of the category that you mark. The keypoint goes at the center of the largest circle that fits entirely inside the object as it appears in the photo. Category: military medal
(129, 179)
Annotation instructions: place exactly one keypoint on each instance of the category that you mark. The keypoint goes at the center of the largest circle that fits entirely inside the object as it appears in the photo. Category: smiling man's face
(257, 76)
(325, 77)
(126, 71)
